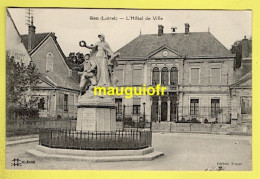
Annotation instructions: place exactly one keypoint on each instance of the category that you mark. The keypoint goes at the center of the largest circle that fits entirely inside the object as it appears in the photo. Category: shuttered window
(195, 76)
(215, 76)
(120, 76)
(137, 77)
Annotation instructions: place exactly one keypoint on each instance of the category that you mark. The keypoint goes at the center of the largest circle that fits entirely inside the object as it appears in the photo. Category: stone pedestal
(96, 113)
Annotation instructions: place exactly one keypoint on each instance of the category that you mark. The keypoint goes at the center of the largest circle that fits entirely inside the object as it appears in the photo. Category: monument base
(96, 113)
(95, 156)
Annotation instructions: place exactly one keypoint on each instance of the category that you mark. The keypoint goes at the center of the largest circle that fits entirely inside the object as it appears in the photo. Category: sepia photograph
(128, 89)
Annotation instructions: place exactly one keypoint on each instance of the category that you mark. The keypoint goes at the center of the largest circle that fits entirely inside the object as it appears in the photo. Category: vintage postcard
(91, 89)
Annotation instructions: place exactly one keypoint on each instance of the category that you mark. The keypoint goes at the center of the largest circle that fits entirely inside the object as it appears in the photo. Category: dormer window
(49, 62)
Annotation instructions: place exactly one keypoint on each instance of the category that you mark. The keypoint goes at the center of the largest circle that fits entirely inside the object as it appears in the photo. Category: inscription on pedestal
(89, 118)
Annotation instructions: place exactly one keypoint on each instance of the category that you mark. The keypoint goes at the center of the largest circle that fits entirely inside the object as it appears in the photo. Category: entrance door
(164, 108)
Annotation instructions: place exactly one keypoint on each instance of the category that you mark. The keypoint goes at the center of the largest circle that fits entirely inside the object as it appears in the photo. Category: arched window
(155, 76)
(49, 62)
(174, 76)
(164, 80)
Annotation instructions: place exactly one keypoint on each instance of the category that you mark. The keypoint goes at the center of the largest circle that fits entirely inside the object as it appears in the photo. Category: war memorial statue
(98, 66)
(97, 112)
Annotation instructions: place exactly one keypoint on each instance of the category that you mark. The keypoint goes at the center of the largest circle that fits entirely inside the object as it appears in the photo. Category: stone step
(146, 157)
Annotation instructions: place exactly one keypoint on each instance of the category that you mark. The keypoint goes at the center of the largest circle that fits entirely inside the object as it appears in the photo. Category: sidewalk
(21, 139)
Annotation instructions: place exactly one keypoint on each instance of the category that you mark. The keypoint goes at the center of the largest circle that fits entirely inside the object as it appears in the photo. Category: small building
(14, 45)
(195, 68)
(58, 91)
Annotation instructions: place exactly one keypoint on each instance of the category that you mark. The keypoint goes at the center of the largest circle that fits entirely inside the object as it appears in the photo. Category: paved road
(181, 152)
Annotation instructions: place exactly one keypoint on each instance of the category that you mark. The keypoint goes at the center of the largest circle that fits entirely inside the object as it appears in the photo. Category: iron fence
(80, 140)
(25, 127)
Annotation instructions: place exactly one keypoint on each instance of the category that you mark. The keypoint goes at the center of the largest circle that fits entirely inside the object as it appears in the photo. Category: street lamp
(144, 112)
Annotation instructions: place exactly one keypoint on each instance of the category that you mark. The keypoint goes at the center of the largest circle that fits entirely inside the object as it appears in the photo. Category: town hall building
(195, 68)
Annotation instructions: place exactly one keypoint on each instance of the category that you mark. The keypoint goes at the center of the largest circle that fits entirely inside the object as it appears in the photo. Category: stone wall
(228, 129)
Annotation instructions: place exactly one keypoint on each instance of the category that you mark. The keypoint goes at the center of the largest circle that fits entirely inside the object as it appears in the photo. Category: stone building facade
(58, 91)
(195, 67)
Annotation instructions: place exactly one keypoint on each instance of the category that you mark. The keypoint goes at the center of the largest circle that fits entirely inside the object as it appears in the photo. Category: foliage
(237, 49)
(74, 59)
(19, 85)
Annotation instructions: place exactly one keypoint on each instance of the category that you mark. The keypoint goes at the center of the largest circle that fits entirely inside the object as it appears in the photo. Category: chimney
(31, 33)
(245, 48)
(160, 30)
(187, 28)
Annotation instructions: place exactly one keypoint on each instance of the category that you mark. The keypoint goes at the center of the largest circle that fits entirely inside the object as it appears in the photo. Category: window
(137, 77)
(65, 102)
(155, 76)
(118, 102)
(71, 102)
(61, 99)
(194, 106)
(215, 107)
(246, 105)
(174, 76)
(136, 109)
(49, 62)
(136, 105)
(120, 76)
(41, 104)
(164, 80)
(215, 76)
(194, 76)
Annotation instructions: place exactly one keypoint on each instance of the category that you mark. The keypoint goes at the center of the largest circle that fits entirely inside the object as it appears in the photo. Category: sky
(73, 25)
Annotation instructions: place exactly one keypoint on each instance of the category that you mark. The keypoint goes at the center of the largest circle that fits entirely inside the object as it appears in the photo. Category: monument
(96, 138)
(97, 113)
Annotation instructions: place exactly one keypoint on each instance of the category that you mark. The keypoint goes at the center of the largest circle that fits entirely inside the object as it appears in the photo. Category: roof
(242, 80)
(38, 38)
(195, 44)
(52, 78)
(60, 81)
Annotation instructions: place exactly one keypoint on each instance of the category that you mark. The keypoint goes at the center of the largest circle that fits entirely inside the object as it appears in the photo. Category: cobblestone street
(182, 152)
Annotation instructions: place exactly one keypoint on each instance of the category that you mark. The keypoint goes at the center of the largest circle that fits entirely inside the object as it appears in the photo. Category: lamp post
(144, 112)
(124, 113)
(177, 110)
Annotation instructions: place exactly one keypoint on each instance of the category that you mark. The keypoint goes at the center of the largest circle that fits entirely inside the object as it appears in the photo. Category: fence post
(65, 138)
(51, 139)
(80, 140)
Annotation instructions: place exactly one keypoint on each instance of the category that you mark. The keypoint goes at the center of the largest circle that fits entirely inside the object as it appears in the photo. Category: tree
(237, 49)
(74, 60)
(20, 81)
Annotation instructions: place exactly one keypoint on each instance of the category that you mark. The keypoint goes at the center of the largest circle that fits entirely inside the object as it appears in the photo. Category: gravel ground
(182, 152)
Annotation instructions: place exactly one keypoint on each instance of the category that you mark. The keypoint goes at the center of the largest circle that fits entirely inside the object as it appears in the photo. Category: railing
(113, 140)
(32, 126)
